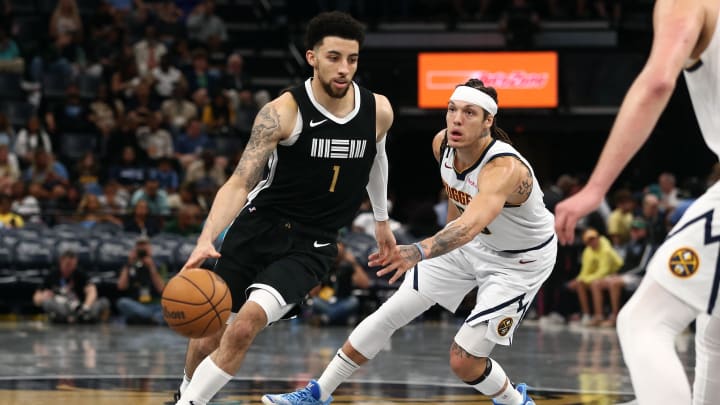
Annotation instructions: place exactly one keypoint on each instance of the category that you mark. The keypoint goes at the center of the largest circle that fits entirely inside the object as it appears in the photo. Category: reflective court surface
(118, 364)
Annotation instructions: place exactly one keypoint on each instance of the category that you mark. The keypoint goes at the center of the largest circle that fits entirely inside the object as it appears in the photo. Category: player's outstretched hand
(385, 241)
(569, 211)
(402, 259)
(202, 251)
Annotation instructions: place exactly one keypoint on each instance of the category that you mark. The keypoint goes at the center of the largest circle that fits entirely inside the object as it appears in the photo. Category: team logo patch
(504, 326)
(684, 262)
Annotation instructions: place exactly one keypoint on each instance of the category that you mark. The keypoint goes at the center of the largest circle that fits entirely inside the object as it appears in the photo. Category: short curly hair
(333, 24)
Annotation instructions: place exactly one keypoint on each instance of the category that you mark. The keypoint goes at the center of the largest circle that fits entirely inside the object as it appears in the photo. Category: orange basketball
(196, 303)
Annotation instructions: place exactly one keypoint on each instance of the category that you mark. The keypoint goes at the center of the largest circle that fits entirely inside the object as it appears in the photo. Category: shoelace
(302, 394)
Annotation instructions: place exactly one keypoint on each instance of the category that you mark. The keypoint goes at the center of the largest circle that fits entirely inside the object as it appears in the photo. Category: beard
(332, 92)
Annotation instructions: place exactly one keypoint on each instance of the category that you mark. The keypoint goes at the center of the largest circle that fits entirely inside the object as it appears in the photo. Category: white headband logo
(474, 96)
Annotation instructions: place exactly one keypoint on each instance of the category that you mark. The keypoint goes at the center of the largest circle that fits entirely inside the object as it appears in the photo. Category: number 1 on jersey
(336, 172)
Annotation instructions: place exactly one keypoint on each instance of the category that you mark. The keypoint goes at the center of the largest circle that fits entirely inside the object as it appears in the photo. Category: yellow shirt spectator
(618, 225)
(11, 220)
(599, 259)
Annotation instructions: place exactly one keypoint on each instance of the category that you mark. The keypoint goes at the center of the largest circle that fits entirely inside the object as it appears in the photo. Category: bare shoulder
(384, 114)
(279, 114)
(437, 142)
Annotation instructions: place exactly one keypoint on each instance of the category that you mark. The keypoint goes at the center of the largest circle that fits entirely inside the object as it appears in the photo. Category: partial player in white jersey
(682, 279)
(499, 238)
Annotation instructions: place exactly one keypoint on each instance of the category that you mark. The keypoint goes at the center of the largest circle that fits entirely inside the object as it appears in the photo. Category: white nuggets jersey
(517, 228)
(687, 263)
(703, 81)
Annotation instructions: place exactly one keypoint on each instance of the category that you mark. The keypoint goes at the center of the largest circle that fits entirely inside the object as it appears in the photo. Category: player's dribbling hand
(570, 210)
(201, 252)
(402, 259)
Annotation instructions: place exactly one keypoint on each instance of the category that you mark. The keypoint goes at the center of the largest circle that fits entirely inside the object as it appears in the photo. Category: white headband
(474, 96)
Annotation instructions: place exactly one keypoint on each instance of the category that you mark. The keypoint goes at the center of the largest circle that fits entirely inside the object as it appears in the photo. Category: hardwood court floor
(111, 364)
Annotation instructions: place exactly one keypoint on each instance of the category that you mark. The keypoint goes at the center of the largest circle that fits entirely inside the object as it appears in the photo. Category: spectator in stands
(638, 253)
(105, 33)
(7, 132)
(155, 140)
(190, 144)
(203, 23)
(69, 296)
(114, 199)
(103, 113)
(209, 170)
(65, 20)
(24, 204)
(235, 78)
(218, 114)
(178, 111)
(657, 229)
(148, 52)
(166, 77)
(668, 192)
(141, 284)
(9, 167)
(140, 221)
(11, 60)
(9, 219)
(167, 176)
(245, 111)
(694, 188)
(599, 260)
(47, 177)
(620, 218)
(125, 79)
(186, 221)
(199, 76)
(62, 58)
(187, 195)
(124, 136)
(169, 22)
(335, 303)
(87, 174)
(69, 114)
(129, 172)
(30, 139)
(90, 212)
(153, 195)
(141, 106)
(422, 221)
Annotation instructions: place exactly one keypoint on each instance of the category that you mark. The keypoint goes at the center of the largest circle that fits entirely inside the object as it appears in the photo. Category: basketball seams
(216, 310)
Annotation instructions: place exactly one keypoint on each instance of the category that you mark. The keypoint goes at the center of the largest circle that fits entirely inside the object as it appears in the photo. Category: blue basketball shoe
(522, 389)
(309, 395)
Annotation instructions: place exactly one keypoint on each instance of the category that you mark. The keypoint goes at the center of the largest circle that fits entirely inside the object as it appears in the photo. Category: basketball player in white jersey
(499, 238)
(681, 283)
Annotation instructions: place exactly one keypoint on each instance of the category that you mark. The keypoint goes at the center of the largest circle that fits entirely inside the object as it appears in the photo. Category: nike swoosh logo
(527, 261)
(448, 166)
(319, 245)
(313, 124)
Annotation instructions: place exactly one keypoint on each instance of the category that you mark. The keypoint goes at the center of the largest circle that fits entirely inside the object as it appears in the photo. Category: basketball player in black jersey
(312, 154)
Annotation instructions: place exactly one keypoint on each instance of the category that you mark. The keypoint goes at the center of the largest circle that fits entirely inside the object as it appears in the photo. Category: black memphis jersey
(320, 179)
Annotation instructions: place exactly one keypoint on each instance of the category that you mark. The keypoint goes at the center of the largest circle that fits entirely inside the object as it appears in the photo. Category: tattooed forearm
(525, 186)
(260, 146)
(410, 253)
(453, 236)
(460, 352)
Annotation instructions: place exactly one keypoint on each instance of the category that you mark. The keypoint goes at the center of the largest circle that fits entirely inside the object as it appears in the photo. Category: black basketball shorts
(262, 248)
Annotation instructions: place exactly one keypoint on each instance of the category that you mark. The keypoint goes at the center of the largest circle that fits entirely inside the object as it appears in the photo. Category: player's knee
(205, 346)
(466, 367)
(242, 332)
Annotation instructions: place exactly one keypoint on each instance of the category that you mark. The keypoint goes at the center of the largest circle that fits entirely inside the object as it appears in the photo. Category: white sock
(509, 396)
(340, 369)
(207, 380)
(185, 383)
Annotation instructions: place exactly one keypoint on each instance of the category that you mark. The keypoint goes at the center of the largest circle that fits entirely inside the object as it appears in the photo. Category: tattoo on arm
(451, 237)
(257, 152)
(525, 186)
(460, 352)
